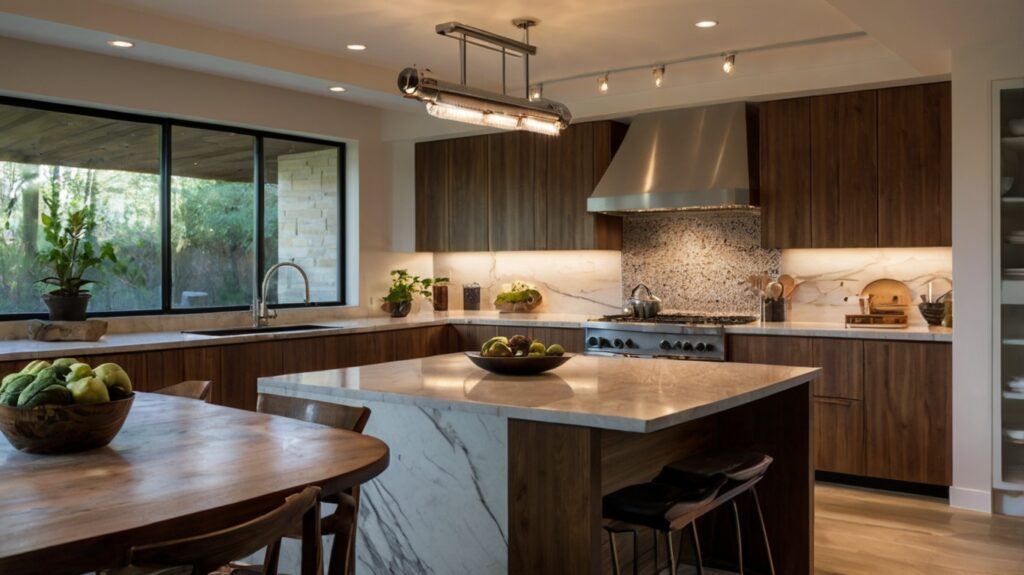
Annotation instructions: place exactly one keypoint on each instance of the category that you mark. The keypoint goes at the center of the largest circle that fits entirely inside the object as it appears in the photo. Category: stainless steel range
(676, 336)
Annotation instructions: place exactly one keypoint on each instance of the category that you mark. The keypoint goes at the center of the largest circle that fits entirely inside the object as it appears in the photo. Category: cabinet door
(842, 368)
(914, 166)
(771, 350)
(908, 411)
(432, 196)
(514, 196)
(467, 195)
(839, 435)
(844, 170)
(785, 150)
(422, 342)
(241, 366)
(472, 337)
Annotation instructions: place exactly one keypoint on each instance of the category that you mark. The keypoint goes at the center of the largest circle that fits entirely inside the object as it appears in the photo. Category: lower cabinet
(881, 408)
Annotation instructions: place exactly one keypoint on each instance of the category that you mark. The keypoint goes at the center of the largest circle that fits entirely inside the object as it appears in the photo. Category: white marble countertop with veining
(14, 350)
(627, 394)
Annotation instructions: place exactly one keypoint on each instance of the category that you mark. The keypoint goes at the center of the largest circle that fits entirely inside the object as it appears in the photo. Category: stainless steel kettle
(642, 306)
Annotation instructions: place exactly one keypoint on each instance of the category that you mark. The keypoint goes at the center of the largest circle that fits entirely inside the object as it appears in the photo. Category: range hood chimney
(689, 159)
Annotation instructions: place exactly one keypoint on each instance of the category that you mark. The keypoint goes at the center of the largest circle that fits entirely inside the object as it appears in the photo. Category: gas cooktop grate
(684, 319)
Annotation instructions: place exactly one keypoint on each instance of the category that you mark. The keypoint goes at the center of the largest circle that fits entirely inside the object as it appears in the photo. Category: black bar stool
(663, 507)
(743, 469)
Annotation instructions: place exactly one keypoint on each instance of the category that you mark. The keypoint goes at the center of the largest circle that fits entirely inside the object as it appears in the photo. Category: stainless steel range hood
(688, 159)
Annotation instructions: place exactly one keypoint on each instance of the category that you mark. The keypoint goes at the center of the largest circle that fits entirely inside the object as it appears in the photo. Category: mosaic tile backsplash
(696, 261)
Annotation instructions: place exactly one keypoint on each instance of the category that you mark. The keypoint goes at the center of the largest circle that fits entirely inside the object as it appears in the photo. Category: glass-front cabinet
(1008, 408)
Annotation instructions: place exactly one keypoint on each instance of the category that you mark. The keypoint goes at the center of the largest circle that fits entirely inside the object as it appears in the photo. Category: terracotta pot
(67, 307)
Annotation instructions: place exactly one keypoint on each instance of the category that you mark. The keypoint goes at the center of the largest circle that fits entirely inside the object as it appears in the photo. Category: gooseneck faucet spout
(261, 313)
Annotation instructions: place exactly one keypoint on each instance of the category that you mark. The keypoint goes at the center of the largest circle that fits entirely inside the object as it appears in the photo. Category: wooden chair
(202, 554)
(341, 523)
(194, 389)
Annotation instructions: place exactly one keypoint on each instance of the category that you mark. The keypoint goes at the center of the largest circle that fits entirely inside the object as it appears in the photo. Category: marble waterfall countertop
(19, 349)
(626, 394)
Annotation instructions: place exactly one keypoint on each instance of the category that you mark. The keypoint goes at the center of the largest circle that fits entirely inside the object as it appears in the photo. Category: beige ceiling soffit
(146, 27)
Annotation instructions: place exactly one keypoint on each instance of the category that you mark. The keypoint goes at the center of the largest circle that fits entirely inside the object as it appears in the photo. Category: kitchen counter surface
(14, 350)
(625, 394)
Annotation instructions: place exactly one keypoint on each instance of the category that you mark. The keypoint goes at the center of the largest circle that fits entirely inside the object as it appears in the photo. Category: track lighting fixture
(729, 64)
(659, 76)
(536, 92)
(602, 84)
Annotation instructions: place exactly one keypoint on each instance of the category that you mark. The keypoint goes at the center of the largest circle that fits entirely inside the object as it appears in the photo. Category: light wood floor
(871, 532)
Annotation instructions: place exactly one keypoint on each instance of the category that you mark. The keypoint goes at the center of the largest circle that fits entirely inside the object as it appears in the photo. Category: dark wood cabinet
(468, 196)
(432, 169)
(771, 350)
(515, 191)
(839, 435)
(908, 411)
(858, 169)
(842, 368)
(915, 166)
(785, 140)
(517, 207)
(844, 170)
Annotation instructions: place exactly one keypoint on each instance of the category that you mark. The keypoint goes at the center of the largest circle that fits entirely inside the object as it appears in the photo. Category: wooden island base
(558, 474)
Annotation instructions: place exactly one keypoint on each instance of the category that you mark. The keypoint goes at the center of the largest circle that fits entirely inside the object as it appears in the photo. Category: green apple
(89, 390)
(112, 375)
(64, 361)
(78, 371)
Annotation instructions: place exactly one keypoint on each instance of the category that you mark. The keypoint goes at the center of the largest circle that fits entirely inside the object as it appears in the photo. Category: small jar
(471, 297)
(440, 298)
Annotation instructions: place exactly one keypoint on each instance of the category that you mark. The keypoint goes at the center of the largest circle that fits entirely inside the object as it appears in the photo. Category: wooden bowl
(518, 365)
(64, 428)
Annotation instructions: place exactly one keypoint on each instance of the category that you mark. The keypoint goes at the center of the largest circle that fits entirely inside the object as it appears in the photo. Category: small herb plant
(71, 253)
(404, 287)
(520, 292)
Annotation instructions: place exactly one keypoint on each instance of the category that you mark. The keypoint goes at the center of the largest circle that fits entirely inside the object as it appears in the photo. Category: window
(180, 202)
(111, 165)
(301, 218)
(212, 218)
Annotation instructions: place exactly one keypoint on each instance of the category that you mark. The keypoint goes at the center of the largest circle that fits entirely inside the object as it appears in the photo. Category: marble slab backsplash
(829, 280)
(696, 261)
(585, 282)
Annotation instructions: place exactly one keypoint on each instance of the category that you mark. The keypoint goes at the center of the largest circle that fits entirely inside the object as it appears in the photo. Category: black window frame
(166, 124)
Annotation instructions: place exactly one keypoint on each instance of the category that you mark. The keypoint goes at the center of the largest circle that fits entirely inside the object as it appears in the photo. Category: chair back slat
(208, 552)
(345, 417)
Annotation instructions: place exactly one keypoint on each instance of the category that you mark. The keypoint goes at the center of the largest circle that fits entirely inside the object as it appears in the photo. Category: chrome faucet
(261, 313)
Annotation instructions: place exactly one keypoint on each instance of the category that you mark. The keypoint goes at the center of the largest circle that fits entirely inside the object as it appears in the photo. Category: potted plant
(70, 255)
(404, 287)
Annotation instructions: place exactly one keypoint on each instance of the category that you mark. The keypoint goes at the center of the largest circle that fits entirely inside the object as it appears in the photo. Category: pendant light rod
(714, 56)
(456, 28)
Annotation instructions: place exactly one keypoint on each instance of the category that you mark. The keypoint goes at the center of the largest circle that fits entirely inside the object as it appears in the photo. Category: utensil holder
(773, 310)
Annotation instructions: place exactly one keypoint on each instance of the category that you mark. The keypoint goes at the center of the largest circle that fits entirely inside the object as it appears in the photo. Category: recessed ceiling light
(356, 47)
(337, 88)
(120, 43)
(706, 24)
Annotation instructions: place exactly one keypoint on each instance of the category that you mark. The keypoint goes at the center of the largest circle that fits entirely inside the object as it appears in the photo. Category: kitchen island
(495, 474)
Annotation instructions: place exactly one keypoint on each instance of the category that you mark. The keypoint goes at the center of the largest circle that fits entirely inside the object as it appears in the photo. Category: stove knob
(680, 345)
(593, 342)
(618, 343)
(700, 346)
(665, 345)
(709, 347)
(630, 344)
(605, 343)
(688, 346)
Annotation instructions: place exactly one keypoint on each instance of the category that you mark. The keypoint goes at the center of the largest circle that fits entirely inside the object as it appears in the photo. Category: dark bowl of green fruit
(518, 355)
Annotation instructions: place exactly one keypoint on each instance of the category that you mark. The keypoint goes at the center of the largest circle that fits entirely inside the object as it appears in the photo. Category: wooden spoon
(788, 285)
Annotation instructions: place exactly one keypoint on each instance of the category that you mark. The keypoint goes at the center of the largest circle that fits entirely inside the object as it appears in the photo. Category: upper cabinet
(860, 169)
(515, 191)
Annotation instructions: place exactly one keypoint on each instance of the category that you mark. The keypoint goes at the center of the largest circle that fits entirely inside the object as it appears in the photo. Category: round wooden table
(178, 468)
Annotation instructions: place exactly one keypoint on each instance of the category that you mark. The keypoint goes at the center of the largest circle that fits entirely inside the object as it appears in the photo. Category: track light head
(729, 63)
(602, 84)
(659, 76)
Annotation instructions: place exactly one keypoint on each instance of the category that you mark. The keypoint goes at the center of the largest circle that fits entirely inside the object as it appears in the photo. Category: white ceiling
(300, 44)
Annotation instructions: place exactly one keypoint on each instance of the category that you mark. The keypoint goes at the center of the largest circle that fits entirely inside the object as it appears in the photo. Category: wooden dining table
(178, 468)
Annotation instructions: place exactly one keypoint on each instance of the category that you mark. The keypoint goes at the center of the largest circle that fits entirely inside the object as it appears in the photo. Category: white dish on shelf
(1015, 434)
(1016, 384)
(1016, 238)
(1014, 272)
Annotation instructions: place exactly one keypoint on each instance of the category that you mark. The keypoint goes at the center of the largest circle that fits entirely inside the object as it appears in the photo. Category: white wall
(974, 70)
(38, 71)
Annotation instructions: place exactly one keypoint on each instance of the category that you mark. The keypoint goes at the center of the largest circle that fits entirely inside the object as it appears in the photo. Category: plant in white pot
(71, 253)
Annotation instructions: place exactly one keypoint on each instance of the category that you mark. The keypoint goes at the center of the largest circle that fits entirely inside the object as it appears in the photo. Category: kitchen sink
(251, 330)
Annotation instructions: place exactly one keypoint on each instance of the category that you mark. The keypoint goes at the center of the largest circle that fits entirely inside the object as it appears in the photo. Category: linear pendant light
(463, 103)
